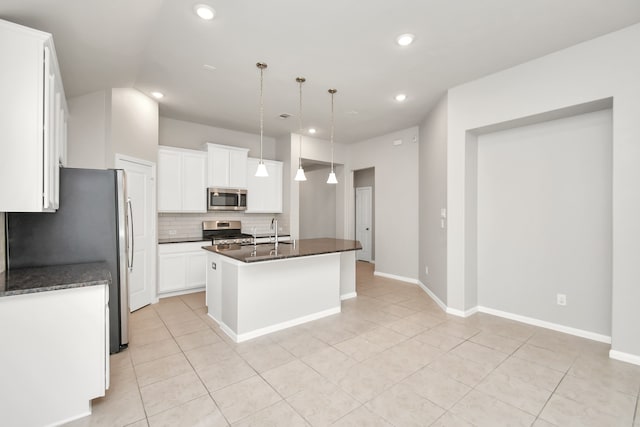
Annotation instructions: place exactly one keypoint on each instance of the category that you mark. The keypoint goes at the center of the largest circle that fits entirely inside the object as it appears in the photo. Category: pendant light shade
(262, 169)
(332, 176)
(300, 174)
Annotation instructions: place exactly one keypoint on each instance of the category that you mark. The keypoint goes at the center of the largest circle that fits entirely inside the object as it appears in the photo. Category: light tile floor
(391, 358)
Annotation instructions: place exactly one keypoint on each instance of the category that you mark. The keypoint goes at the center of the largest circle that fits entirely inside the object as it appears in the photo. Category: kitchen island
(254, 290)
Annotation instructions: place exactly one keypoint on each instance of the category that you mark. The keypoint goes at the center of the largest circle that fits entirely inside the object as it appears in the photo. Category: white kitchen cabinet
(56, 354)
(33, 121)
(181, 267)
(264, 194)
(182, 180)
(227, 166)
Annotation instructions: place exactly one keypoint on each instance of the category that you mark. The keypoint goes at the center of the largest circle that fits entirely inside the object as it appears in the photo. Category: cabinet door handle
(213, 265)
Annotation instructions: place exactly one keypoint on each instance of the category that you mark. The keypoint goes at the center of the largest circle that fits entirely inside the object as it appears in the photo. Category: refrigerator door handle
(131, 234)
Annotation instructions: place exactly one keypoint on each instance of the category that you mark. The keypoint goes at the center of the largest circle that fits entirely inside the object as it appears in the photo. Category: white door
(363, 222)
(141, 192)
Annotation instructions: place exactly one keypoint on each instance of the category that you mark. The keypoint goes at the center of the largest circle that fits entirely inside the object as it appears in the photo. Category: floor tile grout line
(636, 416)
(510, 356)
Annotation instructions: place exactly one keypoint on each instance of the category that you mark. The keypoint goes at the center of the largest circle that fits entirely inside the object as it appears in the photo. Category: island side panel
(214, 286)
(348, 275)
(230, 308)
(278, 294)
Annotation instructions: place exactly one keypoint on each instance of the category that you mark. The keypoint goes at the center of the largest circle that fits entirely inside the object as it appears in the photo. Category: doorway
(364, 183)
(141, 192)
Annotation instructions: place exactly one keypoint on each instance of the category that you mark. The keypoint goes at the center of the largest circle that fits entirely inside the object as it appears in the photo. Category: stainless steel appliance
(92, 224)
(226, 199)
(225, 233)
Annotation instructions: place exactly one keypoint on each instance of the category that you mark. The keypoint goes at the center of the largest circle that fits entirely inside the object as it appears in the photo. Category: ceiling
(348, 45)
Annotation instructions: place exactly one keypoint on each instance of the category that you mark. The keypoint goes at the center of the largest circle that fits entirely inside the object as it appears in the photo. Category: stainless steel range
(225, 233)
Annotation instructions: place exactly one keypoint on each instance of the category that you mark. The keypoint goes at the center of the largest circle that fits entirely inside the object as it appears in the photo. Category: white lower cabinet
(55, 358)
(181, 267)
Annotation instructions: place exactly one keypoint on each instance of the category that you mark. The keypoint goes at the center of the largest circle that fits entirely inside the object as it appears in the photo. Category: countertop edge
(241, 257)
(30, 280)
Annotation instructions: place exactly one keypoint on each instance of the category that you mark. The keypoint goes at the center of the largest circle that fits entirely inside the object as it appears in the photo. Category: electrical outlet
(561, 299)
(426, 269)
(172, 232)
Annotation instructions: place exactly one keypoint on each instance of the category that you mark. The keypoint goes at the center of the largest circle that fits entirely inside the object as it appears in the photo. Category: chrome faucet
(274, 227)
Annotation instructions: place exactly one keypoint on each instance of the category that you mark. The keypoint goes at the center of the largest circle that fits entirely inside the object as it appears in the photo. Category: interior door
(141, 193)
(363, 222)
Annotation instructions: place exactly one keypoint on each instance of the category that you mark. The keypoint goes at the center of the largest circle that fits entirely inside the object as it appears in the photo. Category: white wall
(134, 125)
(318, 150)
(317, 206)
(601, 68)
(396, 195)
(88, 130)
(433, 197)
(104, 123)
(179, 133)
(544, 221)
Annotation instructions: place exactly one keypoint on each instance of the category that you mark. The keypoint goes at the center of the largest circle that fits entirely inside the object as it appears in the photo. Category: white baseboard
(277, 327)
(394, 277)
(460, 313)
(624, 357)
(433, 296)
(180, 292)
(548, 325)
(348, 296)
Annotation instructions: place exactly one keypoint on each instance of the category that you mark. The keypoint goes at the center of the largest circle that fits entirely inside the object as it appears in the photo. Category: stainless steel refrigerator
(91, 225)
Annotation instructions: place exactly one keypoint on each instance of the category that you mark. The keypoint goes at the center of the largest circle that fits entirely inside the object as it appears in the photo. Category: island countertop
(299, 248)
(41, 279)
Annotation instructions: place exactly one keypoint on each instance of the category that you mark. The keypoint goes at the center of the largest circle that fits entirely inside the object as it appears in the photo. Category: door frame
(355, 223)
(152, 221)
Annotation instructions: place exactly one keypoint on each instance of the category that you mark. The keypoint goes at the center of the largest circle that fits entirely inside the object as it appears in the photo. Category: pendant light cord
(261, 110)
(332, 92)
(300, 80)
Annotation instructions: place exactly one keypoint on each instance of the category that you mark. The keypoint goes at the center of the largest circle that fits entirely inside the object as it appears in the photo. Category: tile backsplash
(173, 225)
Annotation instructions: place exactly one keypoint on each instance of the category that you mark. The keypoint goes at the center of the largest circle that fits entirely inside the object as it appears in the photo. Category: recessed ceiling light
(157, 95)
(405, 39)
(204, 11)
(401, 97)
(312, 130)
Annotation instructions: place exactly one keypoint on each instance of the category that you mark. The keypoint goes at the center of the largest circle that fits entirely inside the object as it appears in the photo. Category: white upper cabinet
(264, 194)
(182, 180)
(227, 166)
(33, 121)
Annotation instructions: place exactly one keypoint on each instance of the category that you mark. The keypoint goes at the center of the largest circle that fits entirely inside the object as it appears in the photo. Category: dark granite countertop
(267, 252)
(182, 240)
(40, 279)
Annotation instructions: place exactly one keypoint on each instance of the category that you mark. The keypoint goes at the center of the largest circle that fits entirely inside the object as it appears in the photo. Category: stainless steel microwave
(226, 199)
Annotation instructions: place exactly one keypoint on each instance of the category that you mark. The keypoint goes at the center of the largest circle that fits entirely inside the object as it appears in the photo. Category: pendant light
(262, 169)
(300, 174)
(332, 176)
